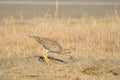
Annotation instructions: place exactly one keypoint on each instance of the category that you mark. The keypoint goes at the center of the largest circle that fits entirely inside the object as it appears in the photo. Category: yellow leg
(46, 59)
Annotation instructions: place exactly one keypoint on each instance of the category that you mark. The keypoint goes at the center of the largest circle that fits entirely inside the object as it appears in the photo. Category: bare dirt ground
(33, 69)
(94, 45)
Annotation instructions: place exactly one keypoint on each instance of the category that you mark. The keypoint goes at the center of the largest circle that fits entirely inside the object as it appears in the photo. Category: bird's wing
(53, 47)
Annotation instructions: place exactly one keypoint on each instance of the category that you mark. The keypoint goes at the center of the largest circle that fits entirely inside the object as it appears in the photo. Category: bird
(51, 46)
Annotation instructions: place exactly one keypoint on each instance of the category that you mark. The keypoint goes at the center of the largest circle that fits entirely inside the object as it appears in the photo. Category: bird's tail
(67, 52)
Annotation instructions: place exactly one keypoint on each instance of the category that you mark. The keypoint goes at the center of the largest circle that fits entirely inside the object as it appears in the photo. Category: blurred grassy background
(87, 35)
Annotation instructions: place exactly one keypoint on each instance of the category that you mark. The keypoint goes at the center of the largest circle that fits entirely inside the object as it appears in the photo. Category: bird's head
(38, 39)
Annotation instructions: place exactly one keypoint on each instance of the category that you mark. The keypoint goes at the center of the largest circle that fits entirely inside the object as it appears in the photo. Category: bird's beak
(34, 37)
(31, 36)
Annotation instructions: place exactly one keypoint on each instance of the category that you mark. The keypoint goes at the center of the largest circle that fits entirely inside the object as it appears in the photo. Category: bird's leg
(46, 59)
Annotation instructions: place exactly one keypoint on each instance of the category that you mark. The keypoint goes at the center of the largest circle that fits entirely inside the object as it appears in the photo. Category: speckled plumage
(51, 45)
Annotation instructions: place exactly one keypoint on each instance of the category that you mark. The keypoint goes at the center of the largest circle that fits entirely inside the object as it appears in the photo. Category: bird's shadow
(41, 58)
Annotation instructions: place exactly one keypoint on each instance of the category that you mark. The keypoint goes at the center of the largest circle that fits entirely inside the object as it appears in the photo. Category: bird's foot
(46, 59)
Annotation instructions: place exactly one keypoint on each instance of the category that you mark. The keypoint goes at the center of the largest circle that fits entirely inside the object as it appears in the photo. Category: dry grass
(89, 39)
